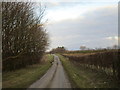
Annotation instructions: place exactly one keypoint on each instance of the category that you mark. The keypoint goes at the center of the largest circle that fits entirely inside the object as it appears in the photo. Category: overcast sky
(92, 23)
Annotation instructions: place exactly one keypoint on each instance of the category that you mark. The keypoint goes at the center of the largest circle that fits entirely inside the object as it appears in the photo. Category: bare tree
(24, 39)
(82, 47)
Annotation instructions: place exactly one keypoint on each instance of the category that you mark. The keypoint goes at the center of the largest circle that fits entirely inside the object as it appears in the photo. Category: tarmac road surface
(54, 78)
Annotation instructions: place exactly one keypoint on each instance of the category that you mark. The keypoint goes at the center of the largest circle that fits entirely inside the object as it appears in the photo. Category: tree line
(58, 50)
(24, 39)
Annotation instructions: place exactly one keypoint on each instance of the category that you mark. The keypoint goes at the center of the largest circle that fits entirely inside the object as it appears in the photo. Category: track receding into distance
(55, 77)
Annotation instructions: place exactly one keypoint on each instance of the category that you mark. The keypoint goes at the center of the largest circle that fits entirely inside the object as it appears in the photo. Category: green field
(82, 77)
(23, 78)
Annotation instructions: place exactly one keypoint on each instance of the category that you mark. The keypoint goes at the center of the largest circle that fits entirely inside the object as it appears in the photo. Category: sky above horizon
(90, 23)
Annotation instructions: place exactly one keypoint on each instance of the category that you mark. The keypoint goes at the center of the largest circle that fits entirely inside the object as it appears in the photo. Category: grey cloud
(90, 31)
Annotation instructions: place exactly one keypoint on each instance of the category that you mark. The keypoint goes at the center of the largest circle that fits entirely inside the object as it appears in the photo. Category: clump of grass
(83, 77)
(23, 78)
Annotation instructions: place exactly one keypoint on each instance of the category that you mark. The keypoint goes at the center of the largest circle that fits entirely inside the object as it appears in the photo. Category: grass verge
(82, 77)
(23, 78)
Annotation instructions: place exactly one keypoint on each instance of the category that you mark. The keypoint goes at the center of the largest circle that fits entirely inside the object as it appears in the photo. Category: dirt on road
(54, 78)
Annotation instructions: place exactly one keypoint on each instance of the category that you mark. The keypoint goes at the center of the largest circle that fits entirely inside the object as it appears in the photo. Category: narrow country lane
(54, 78)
